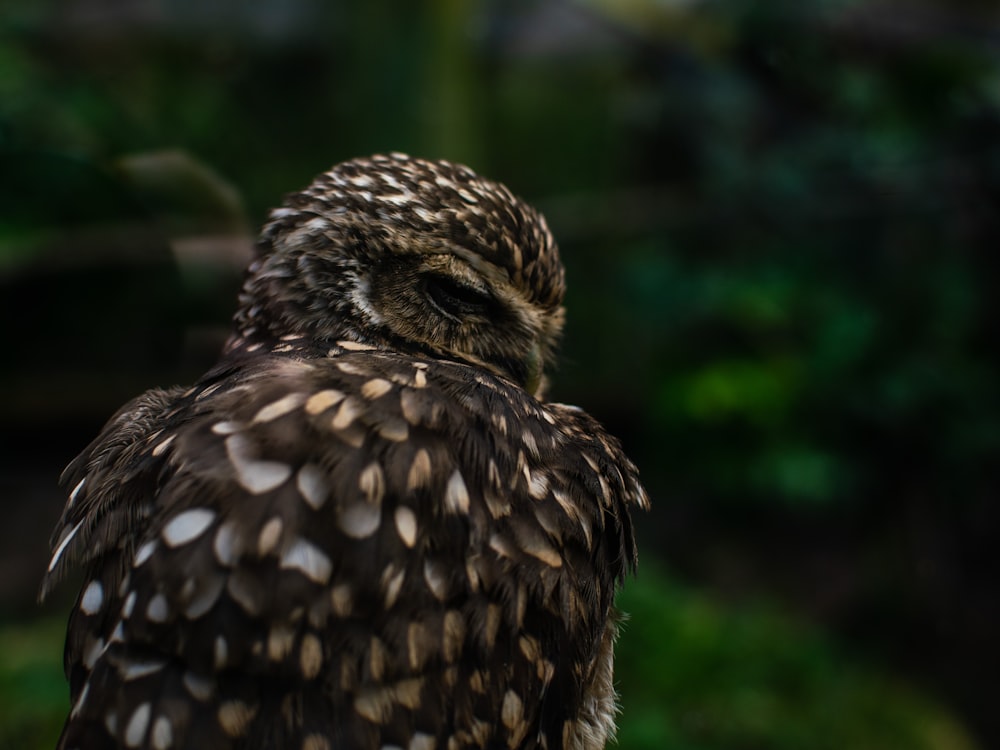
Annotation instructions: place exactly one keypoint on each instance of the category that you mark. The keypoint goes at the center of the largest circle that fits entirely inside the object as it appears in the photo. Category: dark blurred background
(780, 222)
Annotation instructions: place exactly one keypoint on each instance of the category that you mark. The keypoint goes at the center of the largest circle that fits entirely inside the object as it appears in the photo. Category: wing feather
(370, 547)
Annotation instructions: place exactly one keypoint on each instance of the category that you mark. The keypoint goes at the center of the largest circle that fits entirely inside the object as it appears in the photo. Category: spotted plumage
(364, 528)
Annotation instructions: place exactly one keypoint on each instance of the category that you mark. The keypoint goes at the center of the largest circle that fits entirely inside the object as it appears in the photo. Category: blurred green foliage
(699, 675)
(780, 227)
(34, 697)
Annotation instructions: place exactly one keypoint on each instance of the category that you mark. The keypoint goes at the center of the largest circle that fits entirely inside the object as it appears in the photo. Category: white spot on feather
(342, 599)
(372, 483)
(538, 548)
(406, 525)
(92, 599)
(62, 546)
(393, 429)
(279, 408)
(354, 346)
(374, 704)
(349, 410)
(392, 582)
(93, 653)
(187, 526)
(312, 485)
(135, 670)
(456, 494)
(225, 544)
(310, 656)
(220, 652)
(359, 520)
(80, 701)
(135, 730)
(163, 734)
(254, 475)
(200, 688)
(323, 400)
(538, 485)
(420, 471)
(75, 492)
(205, 598)
(269, 535)
(375, 388)
(309, 560)
(144, 553)
(512, 710)
(436, 578)
(235, 716)
(163, 445)
(350, 368)
(157, 609)
(529, 442)
(280, 640)
(226, 428)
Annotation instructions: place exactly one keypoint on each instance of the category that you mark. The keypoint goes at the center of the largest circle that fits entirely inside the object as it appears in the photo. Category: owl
(364, 528)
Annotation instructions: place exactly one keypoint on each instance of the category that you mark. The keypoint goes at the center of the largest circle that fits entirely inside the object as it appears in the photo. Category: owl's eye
(456, 299)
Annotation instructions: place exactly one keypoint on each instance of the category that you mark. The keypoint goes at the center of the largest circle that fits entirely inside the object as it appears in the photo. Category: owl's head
(415, 255)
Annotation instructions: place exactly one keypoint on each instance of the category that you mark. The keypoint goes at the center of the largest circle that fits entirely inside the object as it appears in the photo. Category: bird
(365, 527)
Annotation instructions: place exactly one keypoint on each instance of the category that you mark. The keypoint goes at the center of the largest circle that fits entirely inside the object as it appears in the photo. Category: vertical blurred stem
(449, 106)
(412, 79)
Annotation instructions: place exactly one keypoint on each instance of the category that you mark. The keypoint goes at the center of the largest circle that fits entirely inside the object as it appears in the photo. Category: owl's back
(360, 550)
